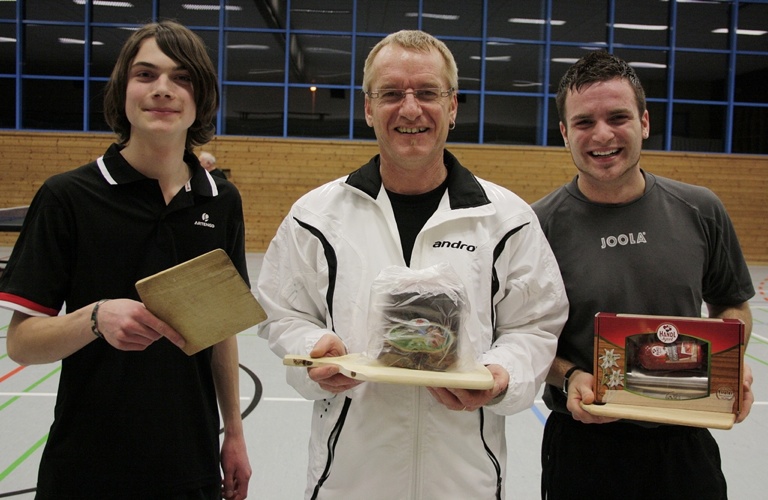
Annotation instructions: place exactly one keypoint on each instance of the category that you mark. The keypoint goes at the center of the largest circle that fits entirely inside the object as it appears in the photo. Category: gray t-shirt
(664, 253)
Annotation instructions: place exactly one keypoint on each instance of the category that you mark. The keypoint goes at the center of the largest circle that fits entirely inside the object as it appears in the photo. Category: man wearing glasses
(413, 205)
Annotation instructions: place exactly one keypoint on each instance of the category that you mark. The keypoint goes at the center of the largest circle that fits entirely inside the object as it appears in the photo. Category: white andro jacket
(385, 441)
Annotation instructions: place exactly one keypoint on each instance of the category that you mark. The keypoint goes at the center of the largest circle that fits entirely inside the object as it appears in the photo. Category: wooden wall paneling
(273, 173)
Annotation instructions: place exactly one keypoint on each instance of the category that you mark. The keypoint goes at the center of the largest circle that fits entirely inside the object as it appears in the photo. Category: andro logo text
(456, 244)
(204, 221)
(622, 240)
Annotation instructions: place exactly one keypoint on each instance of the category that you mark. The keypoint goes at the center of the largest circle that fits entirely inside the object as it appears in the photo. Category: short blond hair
(413, 40)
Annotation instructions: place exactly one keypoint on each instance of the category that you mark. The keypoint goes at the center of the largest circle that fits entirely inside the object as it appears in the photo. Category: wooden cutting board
(360, 367)
(205, 299)
(693, 418)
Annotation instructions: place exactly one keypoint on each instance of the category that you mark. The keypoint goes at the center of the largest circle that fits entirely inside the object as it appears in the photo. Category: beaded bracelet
(95, 319)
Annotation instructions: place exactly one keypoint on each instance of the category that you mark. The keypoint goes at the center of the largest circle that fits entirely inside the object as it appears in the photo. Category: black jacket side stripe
(333, 438)
(332, 260)
(495, 285)
(333, 264)
(494, 460)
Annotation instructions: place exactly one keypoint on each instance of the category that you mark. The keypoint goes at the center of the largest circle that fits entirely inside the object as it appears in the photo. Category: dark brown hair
(185, 48)
(598, 66)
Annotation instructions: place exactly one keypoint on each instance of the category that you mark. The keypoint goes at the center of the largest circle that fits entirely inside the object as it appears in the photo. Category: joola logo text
(622, 240)
(457, 244)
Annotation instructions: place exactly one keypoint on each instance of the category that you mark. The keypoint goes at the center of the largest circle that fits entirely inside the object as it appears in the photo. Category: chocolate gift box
(668, 362)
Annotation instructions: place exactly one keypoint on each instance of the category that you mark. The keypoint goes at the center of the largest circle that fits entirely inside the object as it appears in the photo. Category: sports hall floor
(277, 420)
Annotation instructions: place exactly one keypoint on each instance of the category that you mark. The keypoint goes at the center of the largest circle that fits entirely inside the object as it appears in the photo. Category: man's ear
(645, 122)
(564, 133)
(368, 115)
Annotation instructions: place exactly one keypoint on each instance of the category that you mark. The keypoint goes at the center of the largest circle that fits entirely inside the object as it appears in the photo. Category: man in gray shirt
(627, 241)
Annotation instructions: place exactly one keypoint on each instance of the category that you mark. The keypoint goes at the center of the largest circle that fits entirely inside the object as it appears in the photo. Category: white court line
(53, 395)
(759, 337)
(242, 398)
(287, 400)
(302, 400)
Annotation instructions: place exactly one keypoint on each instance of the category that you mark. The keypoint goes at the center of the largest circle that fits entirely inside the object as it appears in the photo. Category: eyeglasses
(395, 96)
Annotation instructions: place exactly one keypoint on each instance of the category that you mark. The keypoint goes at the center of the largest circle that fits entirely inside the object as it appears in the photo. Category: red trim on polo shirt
(25, 305)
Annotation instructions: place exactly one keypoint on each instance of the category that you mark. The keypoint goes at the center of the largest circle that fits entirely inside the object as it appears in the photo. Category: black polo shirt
(131, 422)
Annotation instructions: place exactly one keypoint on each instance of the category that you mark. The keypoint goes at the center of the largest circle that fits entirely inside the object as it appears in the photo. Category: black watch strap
(567, 376)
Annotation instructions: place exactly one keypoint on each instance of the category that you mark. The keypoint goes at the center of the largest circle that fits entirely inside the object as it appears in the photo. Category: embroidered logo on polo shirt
(204, 221)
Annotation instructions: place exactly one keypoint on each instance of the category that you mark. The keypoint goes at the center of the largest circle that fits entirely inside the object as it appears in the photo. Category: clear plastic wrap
(417, 319)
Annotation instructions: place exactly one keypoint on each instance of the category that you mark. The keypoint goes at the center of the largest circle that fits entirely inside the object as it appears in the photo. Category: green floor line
(13, 399)
(756, 359)
(22, 458)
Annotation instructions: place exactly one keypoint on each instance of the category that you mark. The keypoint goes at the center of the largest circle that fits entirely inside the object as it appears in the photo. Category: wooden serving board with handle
(360, 367)
(677, 416)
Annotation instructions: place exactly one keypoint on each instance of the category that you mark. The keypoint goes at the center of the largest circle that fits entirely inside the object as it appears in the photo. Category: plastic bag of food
(416, 319)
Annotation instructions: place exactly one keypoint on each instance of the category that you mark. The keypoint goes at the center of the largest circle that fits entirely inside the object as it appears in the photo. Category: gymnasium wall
(272, 173)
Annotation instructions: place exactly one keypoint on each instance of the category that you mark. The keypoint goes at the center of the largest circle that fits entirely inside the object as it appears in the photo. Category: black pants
(626, 461)
(211, 492)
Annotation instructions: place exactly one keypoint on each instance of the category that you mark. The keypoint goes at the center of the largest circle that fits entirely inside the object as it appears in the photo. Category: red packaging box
(682, 367)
